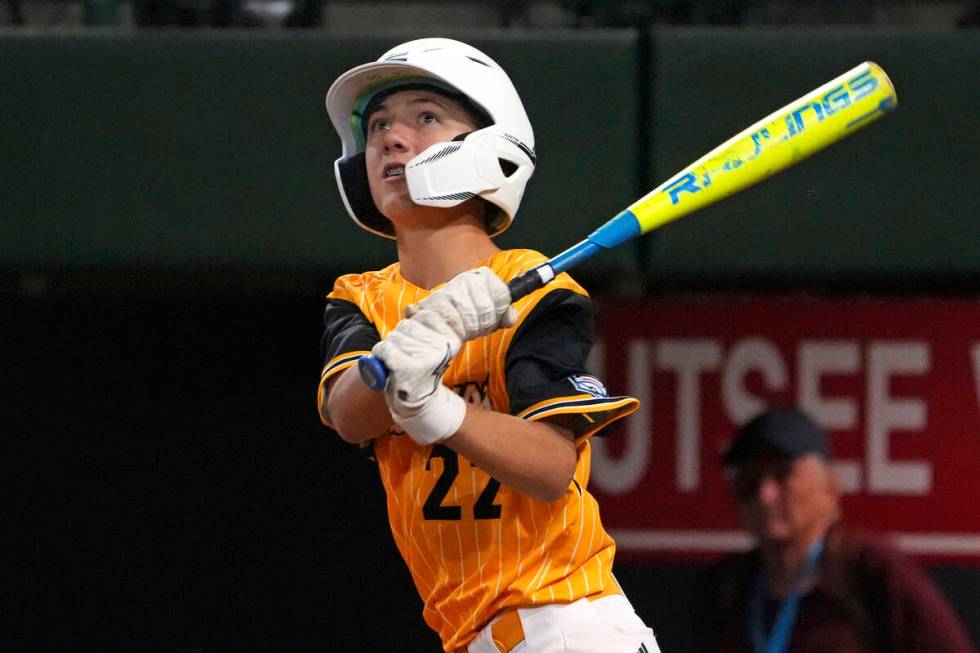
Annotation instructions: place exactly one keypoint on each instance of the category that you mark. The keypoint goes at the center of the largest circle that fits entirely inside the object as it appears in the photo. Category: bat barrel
(782, 139)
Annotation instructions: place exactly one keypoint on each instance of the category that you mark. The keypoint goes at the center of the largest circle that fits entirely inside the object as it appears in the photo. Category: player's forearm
(535, 458)
(358, 413)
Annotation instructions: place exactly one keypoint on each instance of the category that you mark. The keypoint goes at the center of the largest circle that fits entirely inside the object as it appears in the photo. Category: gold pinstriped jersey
(473, 546)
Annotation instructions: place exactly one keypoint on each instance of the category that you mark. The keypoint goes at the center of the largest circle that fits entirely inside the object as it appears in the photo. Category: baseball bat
(785, 137)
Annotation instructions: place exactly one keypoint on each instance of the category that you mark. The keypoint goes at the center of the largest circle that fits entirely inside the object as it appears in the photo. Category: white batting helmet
(494, 162)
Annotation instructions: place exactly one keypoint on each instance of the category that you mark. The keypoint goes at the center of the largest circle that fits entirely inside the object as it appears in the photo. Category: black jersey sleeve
(347, 334)
(549, 346)
(546, 370)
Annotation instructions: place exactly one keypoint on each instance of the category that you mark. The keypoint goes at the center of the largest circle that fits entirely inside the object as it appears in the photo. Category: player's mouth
(393, 171)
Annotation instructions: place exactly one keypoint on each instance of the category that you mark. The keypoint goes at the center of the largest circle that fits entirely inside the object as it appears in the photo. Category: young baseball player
(481, 434)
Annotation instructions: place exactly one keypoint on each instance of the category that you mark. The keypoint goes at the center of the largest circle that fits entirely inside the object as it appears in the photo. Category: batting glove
(473, 303)
(417, 353)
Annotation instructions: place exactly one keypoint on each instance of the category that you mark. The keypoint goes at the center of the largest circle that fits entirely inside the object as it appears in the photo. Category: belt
(506, 632)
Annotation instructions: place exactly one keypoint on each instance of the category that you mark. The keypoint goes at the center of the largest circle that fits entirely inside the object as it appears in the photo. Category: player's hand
(417, 353)
(474, 303)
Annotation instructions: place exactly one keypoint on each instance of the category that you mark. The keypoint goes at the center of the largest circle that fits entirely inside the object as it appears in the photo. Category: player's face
(405, 124)
(784, 501)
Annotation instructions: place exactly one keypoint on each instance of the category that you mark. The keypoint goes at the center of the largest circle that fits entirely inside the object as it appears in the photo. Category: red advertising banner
(896, 384)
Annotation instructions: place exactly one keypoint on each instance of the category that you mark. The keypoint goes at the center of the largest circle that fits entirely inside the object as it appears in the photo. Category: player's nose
(396, 138)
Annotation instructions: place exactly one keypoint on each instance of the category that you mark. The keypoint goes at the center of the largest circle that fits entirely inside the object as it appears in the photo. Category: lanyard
(778, 639)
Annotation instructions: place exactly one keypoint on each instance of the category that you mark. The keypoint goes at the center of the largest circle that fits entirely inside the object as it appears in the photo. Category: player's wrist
(436, 420)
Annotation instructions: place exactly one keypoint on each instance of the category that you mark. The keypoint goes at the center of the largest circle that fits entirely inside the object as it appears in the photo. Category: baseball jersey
(474, 546)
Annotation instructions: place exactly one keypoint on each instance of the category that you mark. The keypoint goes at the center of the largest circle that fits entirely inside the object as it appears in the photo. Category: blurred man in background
(812, 583)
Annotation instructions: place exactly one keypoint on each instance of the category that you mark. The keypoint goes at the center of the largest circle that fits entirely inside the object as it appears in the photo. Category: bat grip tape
(530, 281)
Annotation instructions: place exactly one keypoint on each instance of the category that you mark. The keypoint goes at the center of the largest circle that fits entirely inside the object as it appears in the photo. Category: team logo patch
(588, 384)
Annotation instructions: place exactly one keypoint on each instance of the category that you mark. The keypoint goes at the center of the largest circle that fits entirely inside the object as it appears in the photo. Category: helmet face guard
(494, 162)
(447, 174)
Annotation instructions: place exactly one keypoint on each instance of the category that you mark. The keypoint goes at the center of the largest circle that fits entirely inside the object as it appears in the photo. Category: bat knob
(373, 372)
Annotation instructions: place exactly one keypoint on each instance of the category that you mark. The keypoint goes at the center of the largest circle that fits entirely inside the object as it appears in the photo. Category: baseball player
(481, 435)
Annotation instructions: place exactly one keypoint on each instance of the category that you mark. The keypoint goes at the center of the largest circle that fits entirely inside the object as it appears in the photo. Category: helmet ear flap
(352, 179)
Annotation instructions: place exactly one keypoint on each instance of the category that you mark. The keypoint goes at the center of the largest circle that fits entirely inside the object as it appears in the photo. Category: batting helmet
(494, 162)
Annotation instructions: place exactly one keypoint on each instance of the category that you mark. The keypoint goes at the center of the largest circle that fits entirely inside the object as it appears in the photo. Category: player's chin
(397, 207)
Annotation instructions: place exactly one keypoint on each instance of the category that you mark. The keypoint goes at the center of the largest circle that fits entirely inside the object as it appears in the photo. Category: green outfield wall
(212, 150)
(898, 201)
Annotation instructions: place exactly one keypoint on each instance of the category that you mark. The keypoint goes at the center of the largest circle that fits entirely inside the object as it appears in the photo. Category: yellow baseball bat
(787, 136)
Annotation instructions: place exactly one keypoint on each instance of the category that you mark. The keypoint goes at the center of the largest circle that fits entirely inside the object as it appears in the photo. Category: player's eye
(378, 124)
(428, 117)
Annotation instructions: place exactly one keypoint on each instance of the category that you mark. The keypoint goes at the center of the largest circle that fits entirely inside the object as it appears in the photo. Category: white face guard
(447, 174)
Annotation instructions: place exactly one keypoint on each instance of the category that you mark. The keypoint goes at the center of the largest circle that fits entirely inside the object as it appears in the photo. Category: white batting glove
(417, 353)
(474, 303)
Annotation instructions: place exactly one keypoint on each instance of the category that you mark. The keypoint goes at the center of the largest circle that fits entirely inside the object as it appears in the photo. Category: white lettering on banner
(624, 473)
(751, 354)
(688, 359)
(886, 359)
(816, 358)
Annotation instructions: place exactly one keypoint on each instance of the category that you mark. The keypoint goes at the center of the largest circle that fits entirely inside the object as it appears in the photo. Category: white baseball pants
(606, 625)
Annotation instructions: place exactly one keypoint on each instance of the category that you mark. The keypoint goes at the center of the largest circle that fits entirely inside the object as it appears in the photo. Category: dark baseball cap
(785, 431)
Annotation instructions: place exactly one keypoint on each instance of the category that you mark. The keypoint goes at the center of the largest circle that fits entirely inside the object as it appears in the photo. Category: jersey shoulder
(363, 286)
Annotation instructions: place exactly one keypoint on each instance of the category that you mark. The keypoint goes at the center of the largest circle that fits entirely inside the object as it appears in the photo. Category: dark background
(169, 226)
(168, 487)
